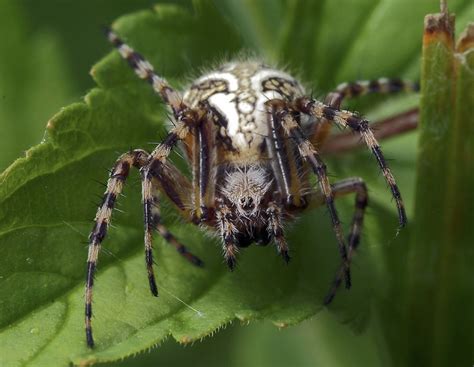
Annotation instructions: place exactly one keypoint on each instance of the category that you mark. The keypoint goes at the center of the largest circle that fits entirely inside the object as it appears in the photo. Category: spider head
(245, 188)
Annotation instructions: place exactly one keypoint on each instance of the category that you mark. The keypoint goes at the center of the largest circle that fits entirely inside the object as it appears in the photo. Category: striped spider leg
(329, 114)
(362, 87)
(118, 175)
(389, 127)
(284, 126)
(155, 172)
(284, 115)
(341, 188)
(155, 176)
(357, 124)
(392, 126)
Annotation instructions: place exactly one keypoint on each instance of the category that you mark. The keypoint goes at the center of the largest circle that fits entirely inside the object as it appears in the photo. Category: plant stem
(438, 299)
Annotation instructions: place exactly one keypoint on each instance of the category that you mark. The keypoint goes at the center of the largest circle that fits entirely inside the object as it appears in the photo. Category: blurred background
(46, 53)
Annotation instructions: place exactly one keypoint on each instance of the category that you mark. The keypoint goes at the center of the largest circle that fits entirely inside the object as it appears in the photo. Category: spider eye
(247, 203)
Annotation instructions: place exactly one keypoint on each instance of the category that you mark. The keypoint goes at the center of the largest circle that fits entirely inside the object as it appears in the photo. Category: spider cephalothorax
(249, 134)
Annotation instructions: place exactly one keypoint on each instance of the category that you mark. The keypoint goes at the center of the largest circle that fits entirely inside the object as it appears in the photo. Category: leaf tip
(439, 28)
(466, 39)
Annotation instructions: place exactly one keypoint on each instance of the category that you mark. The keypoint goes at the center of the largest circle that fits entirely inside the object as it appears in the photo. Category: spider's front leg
(203, 158)
(281, 115)
(349, 119)
(156, 173)
(165, 178)
(275, 229)
(168, 179)
(118, 175)
(225, 223)
(152, 181)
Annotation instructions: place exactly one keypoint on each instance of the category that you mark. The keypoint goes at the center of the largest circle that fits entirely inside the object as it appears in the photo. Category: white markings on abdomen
(242, 104)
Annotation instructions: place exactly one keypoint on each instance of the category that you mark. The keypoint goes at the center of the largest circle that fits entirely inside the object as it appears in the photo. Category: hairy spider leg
(143, 68)
(288, 169)
(341, 188)
(157, 168)
(275, 229)
(227, 230)
(349, 119)
(185, 118)
(171, 97)
(152, 216)
(286, 164)
(151, 219)
(357, 89)
(203, 156)
(362, 87)
(386, 128)
(145, 71)
(308, 153)
(164, 178)
(118, 175)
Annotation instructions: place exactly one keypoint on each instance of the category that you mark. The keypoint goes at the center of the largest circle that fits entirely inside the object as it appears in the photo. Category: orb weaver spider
(250, 134)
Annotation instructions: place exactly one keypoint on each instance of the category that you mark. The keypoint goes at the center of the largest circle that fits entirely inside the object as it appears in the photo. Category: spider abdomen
(237, 93)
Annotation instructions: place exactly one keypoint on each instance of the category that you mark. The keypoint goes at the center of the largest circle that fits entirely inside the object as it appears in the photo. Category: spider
(250, 134)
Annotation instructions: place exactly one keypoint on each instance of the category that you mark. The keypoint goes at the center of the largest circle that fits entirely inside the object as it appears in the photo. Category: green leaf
(45, 211)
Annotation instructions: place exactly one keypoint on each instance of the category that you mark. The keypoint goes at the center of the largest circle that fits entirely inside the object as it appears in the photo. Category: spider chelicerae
(250, 134)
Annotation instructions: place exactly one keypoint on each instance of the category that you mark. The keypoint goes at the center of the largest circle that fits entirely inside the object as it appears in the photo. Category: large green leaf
(45, 211)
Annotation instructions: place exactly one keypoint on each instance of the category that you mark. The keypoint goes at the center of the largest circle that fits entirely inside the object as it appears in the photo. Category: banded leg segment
(389, 127)
(348, 119)
(358, 89)
(118, 175)
(145, 71)
(167, 178)
(228, 234)
(170, 180)
(204, 157)
(285, 163)
(342, 188)
(150, 201)
(363, 87)
(308, 153)
(157, 168)
(166, 234)
(275, 229)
